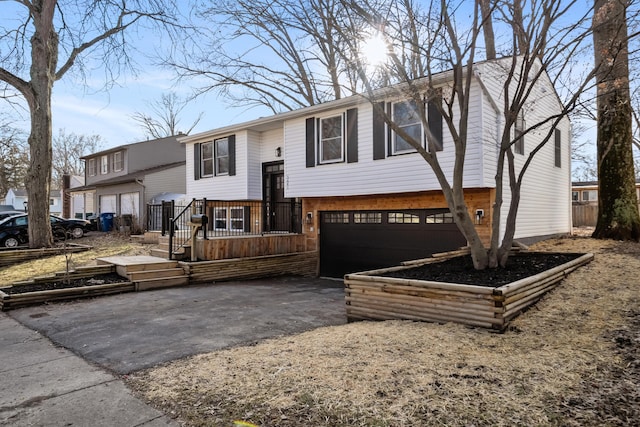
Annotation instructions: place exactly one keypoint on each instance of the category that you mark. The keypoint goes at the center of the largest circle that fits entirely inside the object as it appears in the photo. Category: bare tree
(551, 35)
(68, 148)
(618, 216)
(279, 54)
(164, 119)
(14, 158)
(47, 40)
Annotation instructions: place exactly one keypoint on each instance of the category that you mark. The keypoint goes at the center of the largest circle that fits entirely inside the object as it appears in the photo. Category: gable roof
(139, 174)
(275, 121)
(121, 147)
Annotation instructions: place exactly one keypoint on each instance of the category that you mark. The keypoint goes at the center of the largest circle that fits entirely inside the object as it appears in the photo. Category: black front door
(277, 209)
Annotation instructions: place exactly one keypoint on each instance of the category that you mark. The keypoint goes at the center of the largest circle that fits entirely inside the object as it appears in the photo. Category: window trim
(393, 151)
(92, 169)
(117, 161)
(217, 157)
(229, 220)
(205, 160)
(322, 139)
(104, 164)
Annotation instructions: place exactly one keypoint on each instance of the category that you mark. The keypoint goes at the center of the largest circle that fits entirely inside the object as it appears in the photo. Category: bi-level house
(123, 179)
(367, 199)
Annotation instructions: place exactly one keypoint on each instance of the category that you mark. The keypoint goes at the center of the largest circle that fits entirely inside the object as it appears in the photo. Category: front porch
(209, 230)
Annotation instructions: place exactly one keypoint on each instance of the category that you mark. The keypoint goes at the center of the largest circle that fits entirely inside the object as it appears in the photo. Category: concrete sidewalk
(45, 385)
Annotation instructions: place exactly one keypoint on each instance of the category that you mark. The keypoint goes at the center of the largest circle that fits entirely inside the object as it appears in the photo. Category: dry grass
(103, 244)
(571, 360)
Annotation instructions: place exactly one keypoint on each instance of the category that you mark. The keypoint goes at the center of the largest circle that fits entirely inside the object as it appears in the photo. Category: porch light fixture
(25, 204)
(279, 152)
(479, 216)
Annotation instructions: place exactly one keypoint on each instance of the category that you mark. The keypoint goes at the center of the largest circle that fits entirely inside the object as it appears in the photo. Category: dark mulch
(100, 279)
(460, 269)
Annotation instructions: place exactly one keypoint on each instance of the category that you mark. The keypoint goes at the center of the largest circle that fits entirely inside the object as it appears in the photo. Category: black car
(7, 214)
(14, 230)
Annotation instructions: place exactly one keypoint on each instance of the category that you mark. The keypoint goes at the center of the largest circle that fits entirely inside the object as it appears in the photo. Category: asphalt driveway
(133, 331)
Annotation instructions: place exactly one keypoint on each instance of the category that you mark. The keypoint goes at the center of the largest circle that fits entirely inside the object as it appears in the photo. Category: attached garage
(352, 241)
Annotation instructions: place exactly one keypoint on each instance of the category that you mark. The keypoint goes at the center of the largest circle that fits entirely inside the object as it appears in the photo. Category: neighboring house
(368, 200)
(19, 199)
(76, 201)
(122, 180)
(584, 201)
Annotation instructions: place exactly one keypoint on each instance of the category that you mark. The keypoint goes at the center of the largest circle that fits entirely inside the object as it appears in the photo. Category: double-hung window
(104, 165)
(206, 160)
(117, 162)
(407, 117)
(222, 156)
(229, 219)
(92, 170)
(331, 139)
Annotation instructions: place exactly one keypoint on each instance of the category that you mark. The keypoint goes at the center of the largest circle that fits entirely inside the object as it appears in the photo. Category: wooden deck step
(164, 253)
(155, 274)
(166, 282)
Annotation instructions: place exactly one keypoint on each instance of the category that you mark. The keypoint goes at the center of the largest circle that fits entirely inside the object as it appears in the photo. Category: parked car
(14, 230)
(7, 214)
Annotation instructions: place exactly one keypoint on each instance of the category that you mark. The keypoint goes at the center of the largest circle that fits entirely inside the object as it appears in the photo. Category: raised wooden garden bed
(14, 256)
(373, 295)
(12, 296)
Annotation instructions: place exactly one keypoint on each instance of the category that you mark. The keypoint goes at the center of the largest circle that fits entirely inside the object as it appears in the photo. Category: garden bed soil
(460, 269)
(99, 279)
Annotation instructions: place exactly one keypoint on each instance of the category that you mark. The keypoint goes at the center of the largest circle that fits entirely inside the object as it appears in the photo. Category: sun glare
(374, 51)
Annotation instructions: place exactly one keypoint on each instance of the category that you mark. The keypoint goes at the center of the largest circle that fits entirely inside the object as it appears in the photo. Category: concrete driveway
(133, 331)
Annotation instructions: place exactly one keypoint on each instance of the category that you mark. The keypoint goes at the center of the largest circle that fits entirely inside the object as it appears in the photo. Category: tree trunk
(44, 56)
(618, 216)
(487, 28)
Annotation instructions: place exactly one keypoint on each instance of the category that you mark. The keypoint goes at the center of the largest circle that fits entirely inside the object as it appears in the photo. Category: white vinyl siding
(225, 187)
(394, 174)
(545, 199)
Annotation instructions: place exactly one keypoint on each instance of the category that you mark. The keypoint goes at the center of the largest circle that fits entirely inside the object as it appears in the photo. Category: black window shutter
(196, 161)
(434, 119)
(352, 135)
(379, 146)
(310, 141)
(232, 154)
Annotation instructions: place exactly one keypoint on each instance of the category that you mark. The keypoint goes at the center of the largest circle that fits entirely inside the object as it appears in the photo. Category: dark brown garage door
(352, 241)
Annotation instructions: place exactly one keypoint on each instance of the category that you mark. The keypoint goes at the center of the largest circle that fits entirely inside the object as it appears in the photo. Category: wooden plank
(421, 292)
(383, 314)
(420, 283)
(513, 287)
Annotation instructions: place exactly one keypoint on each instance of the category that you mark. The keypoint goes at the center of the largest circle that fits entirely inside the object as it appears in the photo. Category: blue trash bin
(106, 221)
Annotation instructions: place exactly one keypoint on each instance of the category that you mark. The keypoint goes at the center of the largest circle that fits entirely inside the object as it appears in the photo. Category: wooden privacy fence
(584, 215)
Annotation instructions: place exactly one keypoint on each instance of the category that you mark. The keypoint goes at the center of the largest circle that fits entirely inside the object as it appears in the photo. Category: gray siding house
(123, 179)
